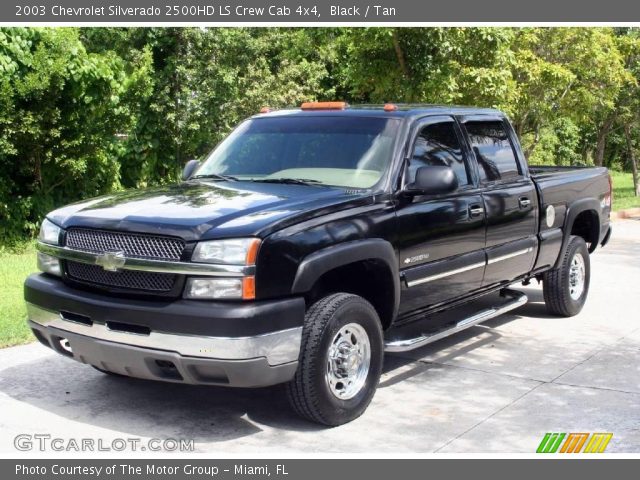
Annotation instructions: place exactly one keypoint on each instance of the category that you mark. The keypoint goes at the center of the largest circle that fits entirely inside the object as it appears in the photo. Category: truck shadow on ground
(131, 407)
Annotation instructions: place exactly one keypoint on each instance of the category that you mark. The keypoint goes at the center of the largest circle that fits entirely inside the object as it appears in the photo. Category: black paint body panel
(181, 317)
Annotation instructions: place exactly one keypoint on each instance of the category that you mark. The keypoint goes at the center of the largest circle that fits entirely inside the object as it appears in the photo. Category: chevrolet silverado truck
(310, 242)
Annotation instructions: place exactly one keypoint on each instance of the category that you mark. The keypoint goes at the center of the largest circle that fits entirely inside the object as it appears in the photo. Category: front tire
(565, 288)
(340, 360)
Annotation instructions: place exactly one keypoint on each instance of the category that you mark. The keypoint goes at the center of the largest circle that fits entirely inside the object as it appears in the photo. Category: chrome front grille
(125, 279)
(132, 244)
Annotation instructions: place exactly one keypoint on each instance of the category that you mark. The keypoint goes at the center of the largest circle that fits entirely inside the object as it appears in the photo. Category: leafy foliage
(87, 111)
(60, 108)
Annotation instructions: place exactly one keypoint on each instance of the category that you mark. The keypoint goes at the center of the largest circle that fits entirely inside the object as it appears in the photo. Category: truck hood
(197, 210)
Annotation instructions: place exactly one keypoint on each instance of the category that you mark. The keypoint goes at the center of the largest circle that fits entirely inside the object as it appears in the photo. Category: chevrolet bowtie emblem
(111, 261)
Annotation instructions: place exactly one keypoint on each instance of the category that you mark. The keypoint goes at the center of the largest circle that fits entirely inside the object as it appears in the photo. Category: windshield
(347, 152)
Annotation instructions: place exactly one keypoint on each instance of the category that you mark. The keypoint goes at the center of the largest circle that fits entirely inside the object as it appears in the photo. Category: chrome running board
(517, 300)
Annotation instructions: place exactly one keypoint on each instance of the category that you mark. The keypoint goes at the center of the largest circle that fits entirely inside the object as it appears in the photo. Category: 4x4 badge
(111, 261)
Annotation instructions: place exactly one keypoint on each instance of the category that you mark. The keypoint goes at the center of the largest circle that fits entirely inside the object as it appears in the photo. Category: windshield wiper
(292, 181)
(216, 176)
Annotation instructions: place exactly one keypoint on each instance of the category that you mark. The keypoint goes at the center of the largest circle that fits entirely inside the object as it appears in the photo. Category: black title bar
(314, 11)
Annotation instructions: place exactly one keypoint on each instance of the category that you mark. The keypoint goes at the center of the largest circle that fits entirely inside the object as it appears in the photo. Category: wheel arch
(368, 268)
(583, 220)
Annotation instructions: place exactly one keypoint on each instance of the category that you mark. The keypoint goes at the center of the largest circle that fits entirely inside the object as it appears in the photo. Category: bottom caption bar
(312, 469)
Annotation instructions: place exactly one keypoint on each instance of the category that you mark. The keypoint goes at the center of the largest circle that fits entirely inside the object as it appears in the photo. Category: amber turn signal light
(252, 252)
(249, 288)
(323, 105)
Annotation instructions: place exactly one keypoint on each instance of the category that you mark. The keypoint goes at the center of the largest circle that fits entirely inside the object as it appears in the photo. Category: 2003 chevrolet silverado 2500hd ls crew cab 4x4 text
(311, 241)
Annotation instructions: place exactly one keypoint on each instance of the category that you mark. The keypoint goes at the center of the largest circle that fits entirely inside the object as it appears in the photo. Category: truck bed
(560, 186)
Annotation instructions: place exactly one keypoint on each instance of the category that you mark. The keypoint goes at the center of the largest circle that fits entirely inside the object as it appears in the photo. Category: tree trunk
(400, 54)
(603, 132)
(38, 170)
(175, 88)
(632, 159)
(536, 138)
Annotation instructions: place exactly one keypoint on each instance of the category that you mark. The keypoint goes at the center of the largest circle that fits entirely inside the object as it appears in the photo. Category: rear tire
(566, 288)
(340, 360)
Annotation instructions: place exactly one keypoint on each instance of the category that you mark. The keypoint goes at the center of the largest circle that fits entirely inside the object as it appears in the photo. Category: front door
(441, 237)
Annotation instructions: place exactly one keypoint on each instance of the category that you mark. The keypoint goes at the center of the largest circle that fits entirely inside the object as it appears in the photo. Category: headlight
(238, 251)
(49, 264)
(213, 288)
(49, 232)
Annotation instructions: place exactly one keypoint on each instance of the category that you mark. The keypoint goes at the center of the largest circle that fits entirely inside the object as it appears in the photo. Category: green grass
(14, 268)
(623, 196)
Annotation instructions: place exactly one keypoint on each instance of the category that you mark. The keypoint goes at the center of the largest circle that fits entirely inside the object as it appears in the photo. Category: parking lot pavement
(493, 388)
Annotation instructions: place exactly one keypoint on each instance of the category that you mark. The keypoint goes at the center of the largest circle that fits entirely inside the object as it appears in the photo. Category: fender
(318, 263)
(575, 209)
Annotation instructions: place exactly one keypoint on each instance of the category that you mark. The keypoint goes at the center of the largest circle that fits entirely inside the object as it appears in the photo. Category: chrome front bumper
(252, 361)
(277, 347)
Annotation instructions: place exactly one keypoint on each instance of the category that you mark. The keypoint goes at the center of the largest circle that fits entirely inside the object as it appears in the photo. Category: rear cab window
(493, 150)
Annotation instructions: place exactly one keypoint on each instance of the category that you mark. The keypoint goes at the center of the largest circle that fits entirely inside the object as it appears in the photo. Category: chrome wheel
(577, 275)
(348, 361)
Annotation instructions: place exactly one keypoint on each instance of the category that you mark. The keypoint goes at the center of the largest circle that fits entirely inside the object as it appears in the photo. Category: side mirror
(433, 180)
(189, 168)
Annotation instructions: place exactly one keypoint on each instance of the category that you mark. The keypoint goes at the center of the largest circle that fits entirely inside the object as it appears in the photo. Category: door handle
(524, 202)
(476, 210)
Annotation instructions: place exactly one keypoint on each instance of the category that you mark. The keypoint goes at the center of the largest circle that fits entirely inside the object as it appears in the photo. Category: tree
(629, 101)
(88, 111)
(560, 72)
(202, 82)
(432, 65)
(59, 113)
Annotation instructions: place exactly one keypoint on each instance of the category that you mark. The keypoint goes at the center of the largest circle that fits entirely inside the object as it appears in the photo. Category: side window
(493, 150)
(438, 144)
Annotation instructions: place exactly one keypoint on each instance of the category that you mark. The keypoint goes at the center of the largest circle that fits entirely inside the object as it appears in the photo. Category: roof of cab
(401, 111)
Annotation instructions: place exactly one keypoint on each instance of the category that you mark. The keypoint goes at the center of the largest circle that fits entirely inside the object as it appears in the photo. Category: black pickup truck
(308, 243)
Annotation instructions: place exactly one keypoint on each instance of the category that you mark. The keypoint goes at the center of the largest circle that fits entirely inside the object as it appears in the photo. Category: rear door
(441, 237)
(509, 198)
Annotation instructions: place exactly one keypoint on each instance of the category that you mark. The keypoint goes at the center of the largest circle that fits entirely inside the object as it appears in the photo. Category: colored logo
(574, 442)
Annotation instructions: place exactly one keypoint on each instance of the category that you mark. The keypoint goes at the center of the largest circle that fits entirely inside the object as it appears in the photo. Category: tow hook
(66, 346)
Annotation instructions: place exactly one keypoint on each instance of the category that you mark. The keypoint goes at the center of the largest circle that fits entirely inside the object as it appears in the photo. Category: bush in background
(84, 112)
